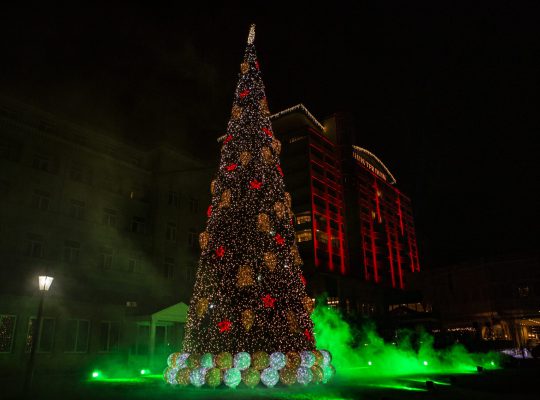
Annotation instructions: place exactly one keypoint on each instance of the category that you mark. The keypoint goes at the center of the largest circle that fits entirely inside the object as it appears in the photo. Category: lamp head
(45, 283)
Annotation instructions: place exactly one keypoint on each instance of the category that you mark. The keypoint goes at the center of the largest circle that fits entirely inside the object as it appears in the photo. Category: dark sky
(445, 94)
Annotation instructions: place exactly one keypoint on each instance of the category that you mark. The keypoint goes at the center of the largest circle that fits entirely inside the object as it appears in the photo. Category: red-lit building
(355, 229)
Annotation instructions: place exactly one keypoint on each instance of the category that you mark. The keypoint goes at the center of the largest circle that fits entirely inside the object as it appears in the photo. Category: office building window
(192, 237)
(76, 209)
(46, 335)
(41, 199)
(193, 205)
(109, 336)
(34, 245)
(171, 231)
(303, 236)
(174, 198)
(77, 334)
(71, 251)
(132, 265)
(110, 217)
(7, 331)
(169, 268)
(106, 258)
(138, 225)
(41, 162)
(76, 173)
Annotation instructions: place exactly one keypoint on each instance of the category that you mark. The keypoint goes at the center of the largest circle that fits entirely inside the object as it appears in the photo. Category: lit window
(303, 236)
(46, 335)
(303, 219)
(332, 301)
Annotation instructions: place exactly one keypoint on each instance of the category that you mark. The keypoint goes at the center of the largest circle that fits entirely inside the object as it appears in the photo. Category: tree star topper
(251, 36)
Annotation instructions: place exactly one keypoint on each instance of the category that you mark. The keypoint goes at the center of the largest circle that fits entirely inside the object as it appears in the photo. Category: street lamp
(44, 283)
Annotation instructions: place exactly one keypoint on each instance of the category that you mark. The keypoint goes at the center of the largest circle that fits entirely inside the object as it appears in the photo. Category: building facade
(116, 225)
(492, 302)
(355, 228)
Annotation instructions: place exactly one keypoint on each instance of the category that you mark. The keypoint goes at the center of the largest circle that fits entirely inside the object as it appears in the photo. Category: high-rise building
(355, 228)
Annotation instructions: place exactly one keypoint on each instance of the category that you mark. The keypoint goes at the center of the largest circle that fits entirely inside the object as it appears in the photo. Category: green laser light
(96, 374)
(426, 363)
(145, 371)
(492, 363)
(369, 363)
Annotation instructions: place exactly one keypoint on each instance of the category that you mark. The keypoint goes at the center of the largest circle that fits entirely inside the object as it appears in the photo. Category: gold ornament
(225, 199)
(292, 360)
(279, 209)
(236, 112)
(267, 155)
(248, 316)
(201, 307)
(244, 276)
(293, 323)
(263, 222)
(213, 186)
(288, 199)
(203, 240)
(244, 67)
(287, 375)
(308, 304)
(296, 255)
(276, 146)
(263, 106)
(270, 260)
(260, 360)
(245, 158)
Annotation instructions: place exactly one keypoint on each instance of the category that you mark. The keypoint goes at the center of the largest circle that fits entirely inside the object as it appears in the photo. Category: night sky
(445, 95)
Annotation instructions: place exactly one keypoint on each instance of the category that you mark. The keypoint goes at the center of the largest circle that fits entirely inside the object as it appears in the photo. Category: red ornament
(257, 64)
(279, 169)
(209, 211)
(244, 93)
(220, 251)
(231, 167)
(303, 279)
(279, 239)
(255, 184)
(224, 325)
(268, 132)
(268, 301)
(308, 335)
(227, 139)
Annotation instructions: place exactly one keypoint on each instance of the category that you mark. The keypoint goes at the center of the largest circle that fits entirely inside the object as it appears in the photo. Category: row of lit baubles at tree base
(269, 369)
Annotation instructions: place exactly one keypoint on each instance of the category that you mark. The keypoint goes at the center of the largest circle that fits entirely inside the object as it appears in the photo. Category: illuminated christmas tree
(249, 317)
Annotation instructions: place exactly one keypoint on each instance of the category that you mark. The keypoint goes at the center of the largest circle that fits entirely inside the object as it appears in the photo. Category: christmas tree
(249, 317)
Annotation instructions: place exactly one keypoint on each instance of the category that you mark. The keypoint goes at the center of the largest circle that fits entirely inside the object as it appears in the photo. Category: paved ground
(510, 383)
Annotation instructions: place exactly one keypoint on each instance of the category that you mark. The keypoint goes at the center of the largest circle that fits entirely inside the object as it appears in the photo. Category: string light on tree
(249, 317)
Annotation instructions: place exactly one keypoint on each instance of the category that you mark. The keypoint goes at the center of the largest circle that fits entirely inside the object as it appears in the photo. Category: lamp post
(44, 285)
